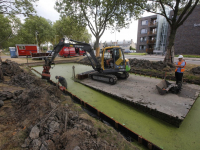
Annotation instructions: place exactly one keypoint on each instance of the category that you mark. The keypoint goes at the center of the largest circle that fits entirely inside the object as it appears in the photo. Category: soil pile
(195, 70)
(86, 61)
(37, 116)
(146, 64)
(10, 68)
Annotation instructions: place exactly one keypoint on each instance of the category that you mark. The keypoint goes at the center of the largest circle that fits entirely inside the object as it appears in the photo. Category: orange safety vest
(179, 63)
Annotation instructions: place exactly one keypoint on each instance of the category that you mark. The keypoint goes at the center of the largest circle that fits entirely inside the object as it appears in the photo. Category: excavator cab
(113, 60)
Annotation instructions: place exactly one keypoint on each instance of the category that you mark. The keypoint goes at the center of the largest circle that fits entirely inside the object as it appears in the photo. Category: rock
(35, 144)
(26, 142)
(43, 147)
(18, 92)
(53, 126)
(1, 103)
(50, 145)
(34, 134)
(77, 148)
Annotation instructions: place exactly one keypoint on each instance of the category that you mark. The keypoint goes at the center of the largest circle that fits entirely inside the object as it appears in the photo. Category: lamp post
(36, 33)
(55, 39)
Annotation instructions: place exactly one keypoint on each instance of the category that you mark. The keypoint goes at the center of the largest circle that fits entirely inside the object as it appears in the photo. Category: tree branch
(191, 10)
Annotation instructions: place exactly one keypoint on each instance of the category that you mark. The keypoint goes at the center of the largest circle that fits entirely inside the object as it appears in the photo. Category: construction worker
(180, 68)
(111, 59)
(62, 81)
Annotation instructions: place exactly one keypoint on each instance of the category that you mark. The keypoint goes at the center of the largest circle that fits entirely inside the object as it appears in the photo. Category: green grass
(190, 56)
(135, 53)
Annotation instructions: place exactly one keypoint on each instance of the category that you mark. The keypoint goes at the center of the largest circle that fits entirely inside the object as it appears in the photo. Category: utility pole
(36, 33)
(55, 39)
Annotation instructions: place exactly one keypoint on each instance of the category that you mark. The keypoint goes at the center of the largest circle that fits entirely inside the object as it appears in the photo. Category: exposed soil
(36, 115)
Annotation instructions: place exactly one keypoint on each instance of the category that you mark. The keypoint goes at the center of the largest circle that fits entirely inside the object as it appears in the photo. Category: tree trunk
(169, 57)
(97, 47)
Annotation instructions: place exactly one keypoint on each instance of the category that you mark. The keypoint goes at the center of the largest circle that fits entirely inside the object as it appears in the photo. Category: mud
(36, 115)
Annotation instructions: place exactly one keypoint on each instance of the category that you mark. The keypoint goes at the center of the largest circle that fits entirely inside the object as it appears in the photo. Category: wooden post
(27, 59)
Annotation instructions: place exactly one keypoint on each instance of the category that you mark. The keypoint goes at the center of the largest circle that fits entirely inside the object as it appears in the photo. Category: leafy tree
(98, 15)
(131, 48)
(11, 7)
(181, 10)
(70, 28)
(35, 27)
(5, 31)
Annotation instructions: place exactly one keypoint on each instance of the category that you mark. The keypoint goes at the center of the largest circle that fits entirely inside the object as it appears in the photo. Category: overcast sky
(46, 9)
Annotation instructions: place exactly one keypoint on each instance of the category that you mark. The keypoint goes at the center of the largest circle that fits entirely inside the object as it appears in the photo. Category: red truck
(71, 51)
(26, 49)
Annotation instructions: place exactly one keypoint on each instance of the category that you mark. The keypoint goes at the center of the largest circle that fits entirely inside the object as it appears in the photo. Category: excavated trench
(154, 130)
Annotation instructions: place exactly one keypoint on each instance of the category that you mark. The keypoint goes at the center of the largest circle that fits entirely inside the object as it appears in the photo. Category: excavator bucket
(163, 87)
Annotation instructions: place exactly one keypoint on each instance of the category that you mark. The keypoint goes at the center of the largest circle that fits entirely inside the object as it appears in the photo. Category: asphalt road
(161, 58)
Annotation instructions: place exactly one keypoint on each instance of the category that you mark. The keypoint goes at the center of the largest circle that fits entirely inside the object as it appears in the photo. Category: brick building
(153, 32)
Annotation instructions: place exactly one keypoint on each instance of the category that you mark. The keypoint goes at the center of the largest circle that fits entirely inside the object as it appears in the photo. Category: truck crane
(107, 70)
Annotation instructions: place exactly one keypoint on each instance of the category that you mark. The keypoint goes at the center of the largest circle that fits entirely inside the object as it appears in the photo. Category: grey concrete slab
(141, 92)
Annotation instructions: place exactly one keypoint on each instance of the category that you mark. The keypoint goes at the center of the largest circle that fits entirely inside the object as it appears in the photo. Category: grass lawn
(190, 56)
(135, 53)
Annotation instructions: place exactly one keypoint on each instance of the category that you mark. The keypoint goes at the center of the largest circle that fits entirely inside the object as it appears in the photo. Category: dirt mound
(86, 61)
(146, 64)
(195, 70)
(10, 68)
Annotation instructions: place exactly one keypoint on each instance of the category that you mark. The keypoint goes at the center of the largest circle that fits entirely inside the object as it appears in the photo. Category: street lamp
(55, 39)
(36, 33)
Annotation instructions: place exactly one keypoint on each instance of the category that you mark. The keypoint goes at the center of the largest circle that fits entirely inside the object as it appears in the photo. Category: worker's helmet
(56, 77)
(180, 56)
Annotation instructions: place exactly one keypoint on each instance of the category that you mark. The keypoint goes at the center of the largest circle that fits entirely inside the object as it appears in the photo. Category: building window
(144, 22)
(142, 47)
(143, 39)
(143, 31)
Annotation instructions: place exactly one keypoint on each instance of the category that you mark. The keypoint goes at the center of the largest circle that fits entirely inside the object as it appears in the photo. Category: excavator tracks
(107, 78)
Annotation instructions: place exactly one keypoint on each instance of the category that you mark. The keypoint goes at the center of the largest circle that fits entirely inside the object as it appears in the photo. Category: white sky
(46, 9)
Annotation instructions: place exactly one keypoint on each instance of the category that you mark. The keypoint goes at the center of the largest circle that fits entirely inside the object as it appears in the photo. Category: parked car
(127, 51)
(50, 51)
(133, 51)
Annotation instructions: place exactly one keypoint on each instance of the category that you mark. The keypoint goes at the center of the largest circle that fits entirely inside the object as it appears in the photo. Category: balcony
(149, 50)
(152, 33)
(151, 41)
(152, 24)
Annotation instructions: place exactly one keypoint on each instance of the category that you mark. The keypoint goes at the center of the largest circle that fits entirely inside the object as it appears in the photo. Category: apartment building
(153, 33)
(147, 32)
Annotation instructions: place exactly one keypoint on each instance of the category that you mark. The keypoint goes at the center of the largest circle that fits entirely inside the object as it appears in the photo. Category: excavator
(112, 66)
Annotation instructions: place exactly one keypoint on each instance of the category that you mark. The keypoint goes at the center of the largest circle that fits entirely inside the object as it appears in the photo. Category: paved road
(161, 58)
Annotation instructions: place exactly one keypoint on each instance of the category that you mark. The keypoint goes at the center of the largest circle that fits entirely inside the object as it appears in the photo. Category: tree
(98, 15)
(181, 10)
(35, 27)
(5, 30)
(70, 28)
(11, 7)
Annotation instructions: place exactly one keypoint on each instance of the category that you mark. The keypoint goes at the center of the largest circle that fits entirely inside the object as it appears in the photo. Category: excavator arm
(85, 46)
